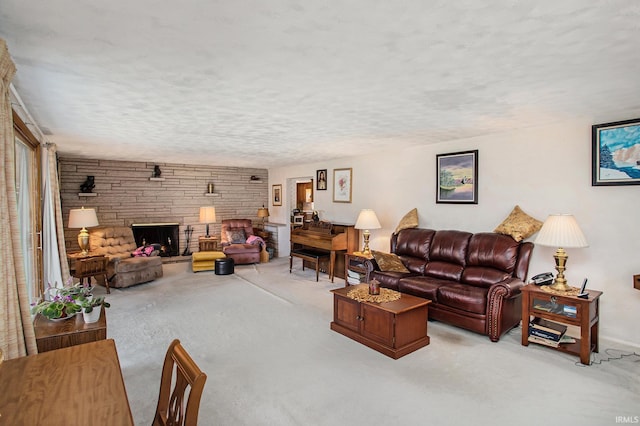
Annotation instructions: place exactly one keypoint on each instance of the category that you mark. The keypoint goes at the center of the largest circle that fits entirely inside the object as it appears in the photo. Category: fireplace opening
(166, 235)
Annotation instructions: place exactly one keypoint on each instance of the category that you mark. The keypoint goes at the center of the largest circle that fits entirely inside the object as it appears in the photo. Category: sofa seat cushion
(425, 287)
(462, 296)
(241, 249)
(132, 264)
(389, 279)
(483, 277)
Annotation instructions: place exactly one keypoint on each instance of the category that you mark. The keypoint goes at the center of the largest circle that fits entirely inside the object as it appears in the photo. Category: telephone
(544, 278)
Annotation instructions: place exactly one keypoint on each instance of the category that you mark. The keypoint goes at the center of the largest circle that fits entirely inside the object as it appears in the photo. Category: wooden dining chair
(92, 267)
(180, 370)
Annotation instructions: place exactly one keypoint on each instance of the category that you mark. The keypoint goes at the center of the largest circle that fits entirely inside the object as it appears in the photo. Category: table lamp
(263, 212)
(207, 215)
(367, 219)
(561, 230)
(83, 218)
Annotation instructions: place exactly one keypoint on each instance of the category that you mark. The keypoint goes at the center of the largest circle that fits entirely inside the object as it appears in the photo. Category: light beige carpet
(262, 336)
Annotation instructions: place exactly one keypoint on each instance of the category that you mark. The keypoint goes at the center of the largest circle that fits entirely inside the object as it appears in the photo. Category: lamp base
(560, 287)
(365, 250)
(83, 241)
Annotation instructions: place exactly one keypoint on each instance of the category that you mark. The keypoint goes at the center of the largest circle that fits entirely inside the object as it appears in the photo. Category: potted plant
(89, 313)
(59, 308)
(78, 292)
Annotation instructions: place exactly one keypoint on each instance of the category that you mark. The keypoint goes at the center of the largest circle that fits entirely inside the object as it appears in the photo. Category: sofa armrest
(503, 306)
(506, 289)
(370, 265)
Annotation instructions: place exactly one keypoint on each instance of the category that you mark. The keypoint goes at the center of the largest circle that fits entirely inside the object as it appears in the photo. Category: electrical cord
(610, 357)
(593, 361)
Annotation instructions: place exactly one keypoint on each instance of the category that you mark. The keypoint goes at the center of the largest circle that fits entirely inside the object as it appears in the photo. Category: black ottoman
(224, 266)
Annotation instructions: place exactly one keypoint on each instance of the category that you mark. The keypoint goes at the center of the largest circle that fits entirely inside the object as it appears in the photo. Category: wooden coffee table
(392, 328)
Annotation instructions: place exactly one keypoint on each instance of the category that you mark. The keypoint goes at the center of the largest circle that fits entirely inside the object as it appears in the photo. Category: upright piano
(342, 238)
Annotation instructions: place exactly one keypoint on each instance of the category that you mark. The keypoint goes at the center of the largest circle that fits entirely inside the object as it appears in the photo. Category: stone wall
(125, 193)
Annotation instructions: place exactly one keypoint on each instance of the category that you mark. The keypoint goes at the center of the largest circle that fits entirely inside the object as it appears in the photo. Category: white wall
(544, 170)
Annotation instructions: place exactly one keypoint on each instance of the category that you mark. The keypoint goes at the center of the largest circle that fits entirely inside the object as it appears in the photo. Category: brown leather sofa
(472, 280)
(118, 244)
(237, 248)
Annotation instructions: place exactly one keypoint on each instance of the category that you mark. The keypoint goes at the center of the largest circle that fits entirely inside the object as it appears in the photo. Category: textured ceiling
(271, 83)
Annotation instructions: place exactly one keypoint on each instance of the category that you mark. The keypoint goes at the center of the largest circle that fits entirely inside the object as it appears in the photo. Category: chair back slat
(175, 407)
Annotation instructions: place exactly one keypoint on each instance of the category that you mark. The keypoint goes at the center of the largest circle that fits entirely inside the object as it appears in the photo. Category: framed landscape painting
(616, 153)
(457, 177)
(342, 185)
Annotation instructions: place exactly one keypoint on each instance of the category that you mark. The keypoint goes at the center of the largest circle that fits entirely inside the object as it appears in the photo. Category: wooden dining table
(77, 385)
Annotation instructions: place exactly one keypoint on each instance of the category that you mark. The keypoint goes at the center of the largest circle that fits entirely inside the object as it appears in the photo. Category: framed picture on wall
(342, 185)
(276, 196)
(457, 177)
(615, 153)
(321, 180)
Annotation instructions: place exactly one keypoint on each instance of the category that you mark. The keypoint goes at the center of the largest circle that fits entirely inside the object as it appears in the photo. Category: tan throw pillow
(410, 220)
(388, 262)
(519, 225)
(236, 236)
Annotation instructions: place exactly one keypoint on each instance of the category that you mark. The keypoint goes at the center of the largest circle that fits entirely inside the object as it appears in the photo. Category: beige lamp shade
(263, 212)
(561, 230)
(367, 219)
(83, 218)
(207, 215)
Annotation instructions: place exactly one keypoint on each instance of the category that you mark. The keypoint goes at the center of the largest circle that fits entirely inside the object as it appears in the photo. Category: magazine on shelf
(548, 342)
(544, 334)
(543, 341)
(548, 326)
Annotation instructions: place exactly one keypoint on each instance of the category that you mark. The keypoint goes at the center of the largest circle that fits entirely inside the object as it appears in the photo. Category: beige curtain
(17, 337)
(53, 186)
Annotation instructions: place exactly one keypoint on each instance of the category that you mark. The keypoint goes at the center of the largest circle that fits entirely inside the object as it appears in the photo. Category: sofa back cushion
(412, 246)
(448, 253)
(112, 241)
(491, 258)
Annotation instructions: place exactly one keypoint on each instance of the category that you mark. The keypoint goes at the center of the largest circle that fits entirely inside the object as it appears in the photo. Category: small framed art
(276, 196)
(615, 153)
(321, 180)
(457, 177)
(342, 179)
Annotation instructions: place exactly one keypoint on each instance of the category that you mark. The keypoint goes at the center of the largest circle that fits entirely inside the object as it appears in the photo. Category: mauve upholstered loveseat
(473, 280)
(118, 244)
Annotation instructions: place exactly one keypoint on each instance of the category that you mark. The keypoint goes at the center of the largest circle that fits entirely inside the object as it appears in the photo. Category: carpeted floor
(262, 336)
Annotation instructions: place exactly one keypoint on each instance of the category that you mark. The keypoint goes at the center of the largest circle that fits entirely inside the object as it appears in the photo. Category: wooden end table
(355, 262)
(208, 243)
(51, 335)
(393, 328)
(572, 310)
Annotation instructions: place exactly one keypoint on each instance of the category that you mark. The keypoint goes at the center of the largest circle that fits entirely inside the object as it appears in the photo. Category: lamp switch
(636, 282)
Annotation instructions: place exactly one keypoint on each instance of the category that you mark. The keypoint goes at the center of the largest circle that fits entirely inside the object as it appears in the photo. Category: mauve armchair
(233, 237)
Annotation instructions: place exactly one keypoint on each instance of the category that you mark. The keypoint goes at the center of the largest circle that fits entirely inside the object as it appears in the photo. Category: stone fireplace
(167, 235)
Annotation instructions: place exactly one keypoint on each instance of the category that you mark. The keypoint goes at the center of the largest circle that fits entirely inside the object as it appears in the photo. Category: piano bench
(309, 255)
